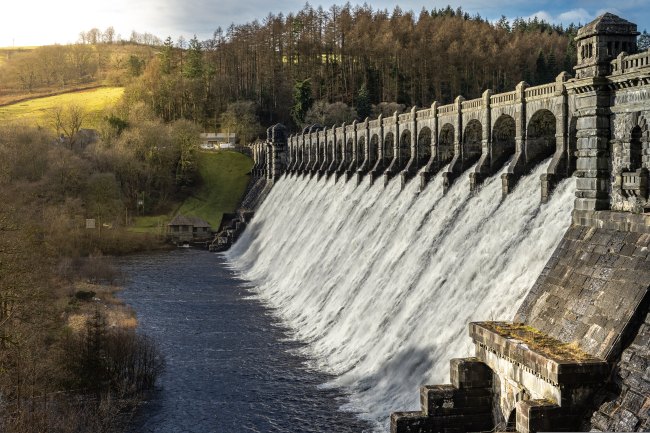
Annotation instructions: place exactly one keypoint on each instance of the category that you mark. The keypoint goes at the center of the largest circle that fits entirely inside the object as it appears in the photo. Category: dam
(499, 246)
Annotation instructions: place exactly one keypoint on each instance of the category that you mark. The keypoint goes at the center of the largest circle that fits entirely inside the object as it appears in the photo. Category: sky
(44, 22)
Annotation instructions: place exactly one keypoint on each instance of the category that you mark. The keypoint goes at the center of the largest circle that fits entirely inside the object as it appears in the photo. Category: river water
(231, 367)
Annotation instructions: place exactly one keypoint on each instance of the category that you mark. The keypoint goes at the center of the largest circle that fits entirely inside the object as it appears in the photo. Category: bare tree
(109, 35)
(67, 122)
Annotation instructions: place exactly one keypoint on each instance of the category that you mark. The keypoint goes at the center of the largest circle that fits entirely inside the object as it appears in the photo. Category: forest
(355, 57)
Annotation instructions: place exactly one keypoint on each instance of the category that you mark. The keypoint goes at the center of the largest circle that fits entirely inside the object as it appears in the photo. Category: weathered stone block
(470, 373)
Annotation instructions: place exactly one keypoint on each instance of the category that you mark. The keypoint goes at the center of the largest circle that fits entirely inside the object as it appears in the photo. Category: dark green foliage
(117, 123)
(167, 56)
(364, 107)
(104, 360)
(302, 101)
(541, 71)
(193, 67)
(136, 65)
(643, 43)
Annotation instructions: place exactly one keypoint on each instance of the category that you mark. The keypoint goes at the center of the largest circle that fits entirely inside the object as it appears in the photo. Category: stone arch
(361, 150)
(347, 151)
(446, 143)
(313, 152)
(404, 150)
(639, 143)
(423, 148)
(503, 141)
(472, 138)
(540, 137)
(635, 159)
(373, 149)
(387, 149)
(338, 152)
(329, 150)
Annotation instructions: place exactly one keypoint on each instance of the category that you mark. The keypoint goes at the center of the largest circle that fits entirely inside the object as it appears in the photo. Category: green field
(37, 111)
(224, 179)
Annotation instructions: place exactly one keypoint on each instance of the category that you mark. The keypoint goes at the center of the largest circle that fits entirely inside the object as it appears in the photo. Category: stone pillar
(411, 166)
(456, 164)
(364, 158)
(394, 164)
(379, 165)
(277, 151)
(354, 163)
(484, 166)
(560, 165)
(301, 150)
(593, 156)
(517, 167)
(433, 165)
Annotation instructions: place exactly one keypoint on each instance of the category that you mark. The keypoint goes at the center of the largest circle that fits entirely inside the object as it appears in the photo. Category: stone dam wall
(577, 355)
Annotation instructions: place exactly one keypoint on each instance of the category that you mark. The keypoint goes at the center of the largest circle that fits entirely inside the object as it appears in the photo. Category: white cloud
(575, 16)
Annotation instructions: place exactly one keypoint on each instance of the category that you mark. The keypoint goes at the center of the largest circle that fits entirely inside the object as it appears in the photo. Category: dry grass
(541, 343)
(116, 313)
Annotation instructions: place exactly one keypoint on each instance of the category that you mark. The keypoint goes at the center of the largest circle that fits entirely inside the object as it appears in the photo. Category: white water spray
(382, 283)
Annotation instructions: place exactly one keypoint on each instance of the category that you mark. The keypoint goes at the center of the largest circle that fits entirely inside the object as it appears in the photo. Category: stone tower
(600, 41)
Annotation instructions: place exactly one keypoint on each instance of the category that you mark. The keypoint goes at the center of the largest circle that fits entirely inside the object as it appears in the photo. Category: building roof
(608, 24)
(182, 220)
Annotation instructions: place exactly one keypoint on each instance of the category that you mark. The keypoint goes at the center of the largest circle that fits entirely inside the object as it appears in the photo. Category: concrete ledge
(620, 221)
(544, 355)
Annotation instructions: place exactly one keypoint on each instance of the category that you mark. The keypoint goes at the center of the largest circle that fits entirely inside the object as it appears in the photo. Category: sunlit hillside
(38, 112)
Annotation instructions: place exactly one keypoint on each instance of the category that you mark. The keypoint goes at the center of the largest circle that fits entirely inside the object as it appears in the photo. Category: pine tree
(167, 56)
(643, 42)
(364, 108)
(302, 101)
(551, 67)
(194, 60)
(541, 70)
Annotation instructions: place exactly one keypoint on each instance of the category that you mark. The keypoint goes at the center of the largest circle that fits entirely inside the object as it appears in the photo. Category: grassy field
(37, 111)
(224, 179)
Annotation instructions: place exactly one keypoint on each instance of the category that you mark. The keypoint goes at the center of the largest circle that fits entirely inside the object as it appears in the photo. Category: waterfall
(381, 283)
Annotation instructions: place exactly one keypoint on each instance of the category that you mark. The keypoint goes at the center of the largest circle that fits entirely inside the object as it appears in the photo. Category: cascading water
(381, 283)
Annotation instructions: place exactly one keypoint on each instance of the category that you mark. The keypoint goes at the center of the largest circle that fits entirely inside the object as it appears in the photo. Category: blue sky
(38, 22)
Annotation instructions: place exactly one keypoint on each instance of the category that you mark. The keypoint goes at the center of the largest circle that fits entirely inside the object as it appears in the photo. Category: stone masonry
(577, 356)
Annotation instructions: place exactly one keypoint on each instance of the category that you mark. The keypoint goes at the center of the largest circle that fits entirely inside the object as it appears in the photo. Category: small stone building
(188, 228)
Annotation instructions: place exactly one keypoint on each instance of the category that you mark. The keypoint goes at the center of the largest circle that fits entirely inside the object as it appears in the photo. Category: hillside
(37, 111)
(224, 176)
(29, 72)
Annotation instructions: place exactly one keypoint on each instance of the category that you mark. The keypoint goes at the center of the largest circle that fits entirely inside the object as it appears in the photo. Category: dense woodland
(351, 55)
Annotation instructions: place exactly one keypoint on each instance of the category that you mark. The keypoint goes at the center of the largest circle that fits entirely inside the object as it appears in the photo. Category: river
(231, 367)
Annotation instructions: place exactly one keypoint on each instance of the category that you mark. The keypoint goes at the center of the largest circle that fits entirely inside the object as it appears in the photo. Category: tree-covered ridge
(412, 59)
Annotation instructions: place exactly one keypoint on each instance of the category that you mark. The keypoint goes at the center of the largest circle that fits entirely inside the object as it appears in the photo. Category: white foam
(381, 283)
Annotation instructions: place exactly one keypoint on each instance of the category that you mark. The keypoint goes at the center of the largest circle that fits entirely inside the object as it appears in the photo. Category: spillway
(381, 282)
